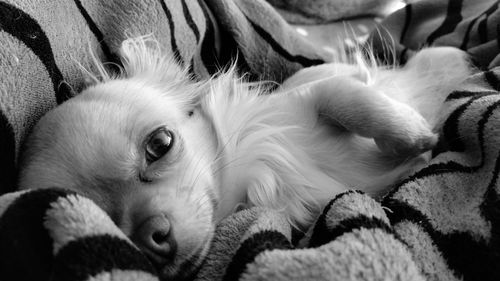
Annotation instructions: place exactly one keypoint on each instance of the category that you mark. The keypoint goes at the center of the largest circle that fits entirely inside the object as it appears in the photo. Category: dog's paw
(408, 134)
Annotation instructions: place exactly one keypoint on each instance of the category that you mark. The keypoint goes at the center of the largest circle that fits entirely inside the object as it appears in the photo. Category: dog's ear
(143, 57)
(144, 60)
(94, 70)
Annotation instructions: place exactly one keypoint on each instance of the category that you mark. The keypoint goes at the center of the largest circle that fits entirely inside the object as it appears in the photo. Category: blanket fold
(60, 235)
(324, 11)
(441, 223)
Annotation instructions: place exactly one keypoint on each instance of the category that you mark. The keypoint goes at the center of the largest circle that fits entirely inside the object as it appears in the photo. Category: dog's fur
(327, 129)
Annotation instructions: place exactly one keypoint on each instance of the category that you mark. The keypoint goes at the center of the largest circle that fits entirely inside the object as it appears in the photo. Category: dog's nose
(155, 237)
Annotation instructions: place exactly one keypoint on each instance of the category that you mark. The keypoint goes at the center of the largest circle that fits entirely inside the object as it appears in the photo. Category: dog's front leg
(396, 127)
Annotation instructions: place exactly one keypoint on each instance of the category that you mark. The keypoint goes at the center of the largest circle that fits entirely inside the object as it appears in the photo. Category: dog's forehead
(131, 97)
(134, 108)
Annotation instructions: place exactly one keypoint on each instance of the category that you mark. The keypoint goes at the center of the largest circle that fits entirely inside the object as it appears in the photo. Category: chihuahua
(167, 156)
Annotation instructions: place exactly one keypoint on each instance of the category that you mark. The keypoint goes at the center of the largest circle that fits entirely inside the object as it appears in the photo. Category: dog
(167, 157)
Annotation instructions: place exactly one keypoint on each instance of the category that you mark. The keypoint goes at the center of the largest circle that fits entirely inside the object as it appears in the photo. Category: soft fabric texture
(324, 11)
(470, 25)
(442, 223)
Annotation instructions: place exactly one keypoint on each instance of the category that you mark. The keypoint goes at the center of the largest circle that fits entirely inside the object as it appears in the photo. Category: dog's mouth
(157, 260)
(178, 268)
(186, 270)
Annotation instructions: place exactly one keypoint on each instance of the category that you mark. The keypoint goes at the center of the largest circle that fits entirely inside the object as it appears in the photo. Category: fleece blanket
(442, 223)
(324, 11)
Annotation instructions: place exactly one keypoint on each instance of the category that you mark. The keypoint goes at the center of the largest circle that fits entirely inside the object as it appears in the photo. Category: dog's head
(137, 146)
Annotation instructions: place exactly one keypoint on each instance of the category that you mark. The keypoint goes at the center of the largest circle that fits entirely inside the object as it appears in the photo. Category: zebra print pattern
(470, 25)
(442, 223)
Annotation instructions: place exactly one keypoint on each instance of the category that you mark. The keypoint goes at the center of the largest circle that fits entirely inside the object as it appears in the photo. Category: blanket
(441, 223)
(324, 11)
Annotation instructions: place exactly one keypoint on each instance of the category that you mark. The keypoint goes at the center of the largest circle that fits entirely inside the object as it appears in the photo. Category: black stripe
(86, 257)
(488, 12)
(492, 80)
(230, 52)
(450, 127)
(8, 172)
(25, 246)
(465, 255)
(189, 267)
(440, 147)
(482, 126)
(465, 41)
(26, 29)
(432, 170)
(482, 30)
(483, 25)
(408, 14)
(171, 24)
(403, 56)
(110, 56)
(476, 62)
(191, 67)
(304, 61)
(467, 94)
(208, 53)
(346, 226)
(453, 18)
(321, 227)
(490, 210)
(251, 74)
(498, 36)
(251, 247)
(190, 21)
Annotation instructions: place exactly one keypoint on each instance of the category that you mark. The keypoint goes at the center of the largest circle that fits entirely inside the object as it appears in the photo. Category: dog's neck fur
(258, 162)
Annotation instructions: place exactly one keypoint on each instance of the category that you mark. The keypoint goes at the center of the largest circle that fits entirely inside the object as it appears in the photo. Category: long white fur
(262, 166)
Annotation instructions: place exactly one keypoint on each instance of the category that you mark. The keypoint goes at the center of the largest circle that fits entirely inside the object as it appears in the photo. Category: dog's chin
(169, 272)
(182, 269)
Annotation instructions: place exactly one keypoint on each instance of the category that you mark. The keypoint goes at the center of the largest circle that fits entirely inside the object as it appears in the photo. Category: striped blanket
(442, 223)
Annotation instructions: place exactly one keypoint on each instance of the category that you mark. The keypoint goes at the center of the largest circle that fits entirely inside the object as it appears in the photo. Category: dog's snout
(155, 237)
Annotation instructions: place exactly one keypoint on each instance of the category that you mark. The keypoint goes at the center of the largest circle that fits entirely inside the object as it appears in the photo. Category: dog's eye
(158, 144)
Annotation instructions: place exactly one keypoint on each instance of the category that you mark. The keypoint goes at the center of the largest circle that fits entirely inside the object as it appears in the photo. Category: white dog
(167, 157)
